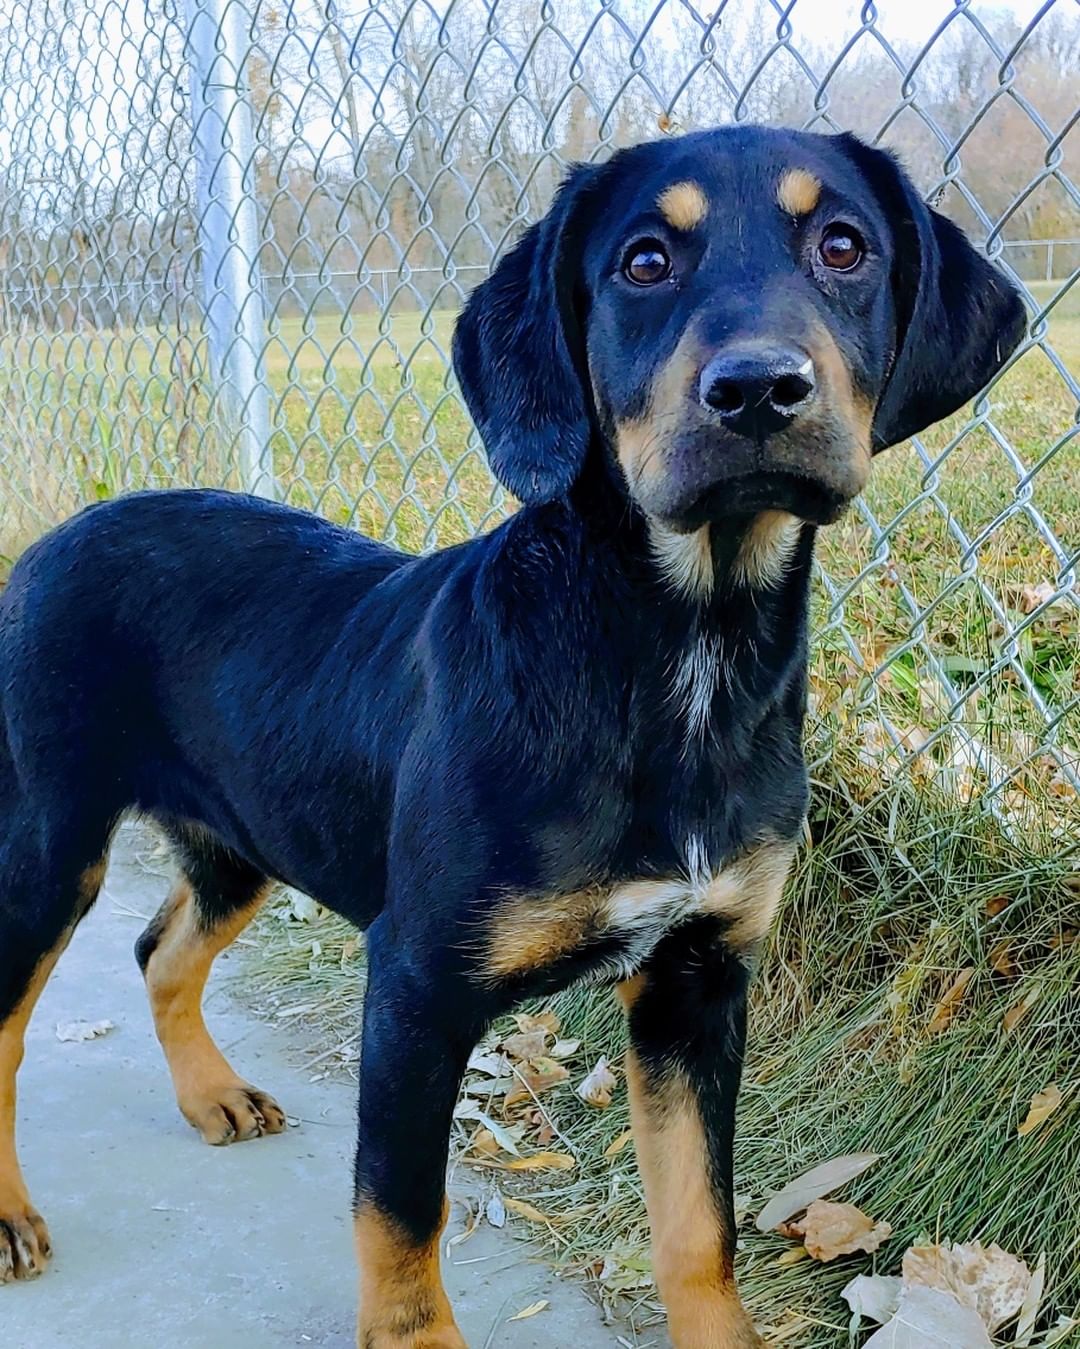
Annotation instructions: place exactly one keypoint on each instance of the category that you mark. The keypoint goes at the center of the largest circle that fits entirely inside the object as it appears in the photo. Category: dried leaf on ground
(75, 1031)
(872, 1297)
(529, 1044)
(930, 1319)
(531, 1310)
(547, 1021)
(1002, 960)
(526, 1210)
(814, 1184)
(495, 1210)
(1033, 595)
(829, 1230)
(950, 1002)
(471, 1110)
(565, 1049)
(597, 1087)
(1019, 1010)
(1029, 1312)
(1043, 1105)
(985, 1278)
(533, 1078)
(543, 1161)
(617, 1144)
(491, 1065)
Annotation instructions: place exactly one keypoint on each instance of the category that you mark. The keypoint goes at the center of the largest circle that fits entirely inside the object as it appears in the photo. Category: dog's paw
(232, 1112)
(24, 1242)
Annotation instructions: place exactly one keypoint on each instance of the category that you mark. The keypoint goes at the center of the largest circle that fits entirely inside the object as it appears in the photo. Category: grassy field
(909, 883)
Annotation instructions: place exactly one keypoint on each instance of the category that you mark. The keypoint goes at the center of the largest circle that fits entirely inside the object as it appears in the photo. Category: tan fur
(24, 1238)
(530, 932)
(683, 205)
(402, 1301)
(766, 549)
(692, 1254)
(212, 1097)
(639, 444)
(798, 192)
(685, 560)
(853, 408)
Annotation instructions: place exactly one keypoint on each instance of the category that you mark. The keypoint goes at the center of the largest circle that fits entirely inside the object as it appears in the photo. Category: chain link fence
(234, 235)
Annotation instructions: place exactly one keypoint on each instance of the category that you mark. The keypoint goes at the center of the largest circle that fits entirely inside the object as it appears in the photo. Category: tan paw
(24, 1242)
(445, 1337)
(232, 1113)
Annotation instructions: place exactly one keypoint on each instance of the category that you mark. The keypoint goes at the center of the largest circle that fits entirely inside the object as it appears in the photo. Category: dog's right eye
(646, 263)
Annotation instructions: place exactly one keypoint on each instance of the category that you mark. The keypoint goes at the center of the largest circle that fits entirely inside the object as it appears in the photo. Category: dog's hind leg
(47, 883)
(214, 898)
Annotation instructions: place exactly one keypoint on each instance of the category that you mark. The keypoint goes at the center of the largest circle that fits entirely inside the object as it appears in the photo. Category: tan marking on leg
(90, 883)
(403, 1304)
(683, 205)
(767, 549)
(630, 990)
(747, 894)
(24, 1238)
(528, 933)
(212, 1097)
(798, 192)
(692, 1254)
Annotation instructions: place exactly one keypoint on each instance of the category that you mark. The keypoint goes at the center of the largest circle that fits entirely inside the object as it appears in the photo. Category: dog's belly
(621, 925)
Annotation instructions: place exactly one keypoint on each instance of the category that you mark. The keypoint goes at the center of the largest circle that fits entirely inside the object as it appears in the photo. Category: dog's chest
(607, 933)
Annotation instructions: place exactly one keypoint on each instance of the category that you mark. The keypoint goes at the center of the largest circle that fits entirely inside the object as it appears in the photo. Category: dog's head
(740, 318)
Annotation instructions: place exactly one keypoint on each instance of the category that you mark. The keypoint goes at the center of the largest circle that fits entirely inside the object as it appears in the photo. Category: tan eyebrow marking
(683, 205)
(798, 192)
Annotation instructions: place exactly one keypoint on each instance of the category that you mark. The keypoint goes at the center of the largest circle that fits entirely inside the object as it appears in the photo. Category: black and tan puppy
(568, 750)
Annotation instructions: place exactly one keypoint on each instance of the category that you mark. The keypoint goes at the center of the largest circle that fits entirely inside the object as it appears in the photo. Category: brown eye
(841, 248)
(646, 263)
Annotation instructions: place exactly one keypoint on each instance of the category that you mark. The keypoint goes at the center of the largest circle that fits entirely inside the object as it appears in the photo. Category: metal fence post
(228, 229)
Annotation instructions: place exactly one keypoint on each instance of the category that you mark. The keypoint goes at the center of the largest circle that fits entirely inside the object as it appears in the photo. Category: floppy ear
(519, 353)
(958, 318)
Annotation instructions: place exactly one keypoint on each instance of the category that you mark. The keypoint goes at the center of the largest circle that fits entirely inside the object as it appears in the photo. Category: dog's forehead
(732, 177)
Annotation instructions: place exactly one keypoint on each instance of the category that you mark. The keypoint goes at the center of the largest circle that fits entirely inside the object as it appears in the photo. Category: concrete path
(164, 1243)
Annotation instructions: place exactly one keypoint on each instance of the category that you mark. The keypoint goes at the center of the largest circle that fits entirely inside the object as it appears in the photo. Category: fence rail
(233, 234)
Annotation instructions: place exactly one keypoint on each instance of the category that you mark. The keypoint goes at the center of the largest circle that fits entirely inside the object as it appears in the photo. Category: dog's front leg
(417, 1037)
(687, 1014)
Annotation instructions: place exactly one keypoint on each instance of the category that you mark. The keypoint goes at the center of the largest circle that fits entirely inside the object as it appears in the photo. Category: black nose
(758, 390)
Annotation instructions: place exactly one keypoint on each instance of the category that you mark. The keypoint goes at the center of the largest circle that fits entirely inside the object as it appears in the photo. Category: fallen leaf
(491, 1065)
(1033, 595)
(793, 1256)
(529, 1044)
(813, 1184)
(996, 904)
(565, 1049)
(597, 1087)
(1029, 1312)
(872, 1297)
(1043, 1105)
(303, 908)
(830, 1230)
(1019, 1010)
(468, 1109)
(76, 1031)
(536, 1077)
(1001, 959)
(987, 1279)
(543, 1161)
(616, 1145)
(950, 1001)
(927, 1318)
(548, 1021)
(495, 1210)
(348, 949)
(531, 1310)
(526, 1210)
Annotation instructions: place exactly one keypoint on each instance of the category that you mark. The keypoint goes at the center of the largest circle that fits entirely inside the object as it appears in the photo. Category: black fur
(413, 740)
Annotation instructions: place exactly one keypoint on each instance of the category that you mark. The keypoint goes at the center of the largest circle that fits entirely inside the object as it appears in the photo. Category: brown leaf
(950, 1002)
(617, 1144)
(531, 1310)
(548, 1021)
(1019, 1010)
(529, 1044)
(830, 1230)
(1033, 595)
(1043, 1105)
(996, 904)
(818, 1181)
(985, 1278)
(536, 1077)
(596, 1089)
(1001, 959)
(525, 1210)
(543, 1161)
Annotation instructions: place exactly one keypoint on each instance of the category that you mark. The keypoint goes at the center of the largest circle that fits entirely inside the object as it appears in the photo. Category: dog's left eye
(646, 263)
(841, 248)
